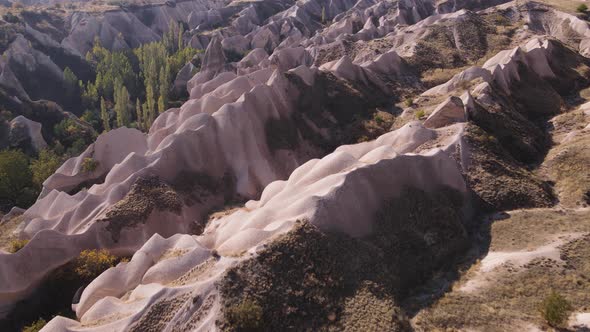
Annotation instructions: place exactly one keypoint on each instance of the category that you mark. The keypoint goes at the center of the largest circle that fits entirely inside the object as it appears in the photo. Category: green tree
(151, 106)
(180, 37)
(152, 57)
(161, 105)
(164, 85)
(110, 67)
(69, 77)
(91, 117)
(138, 114)
(104, 115)
(15, 179)
(177, 60)
(172, 38)
(121, 104)
(44, 166)
(74, 135)
(146, 116)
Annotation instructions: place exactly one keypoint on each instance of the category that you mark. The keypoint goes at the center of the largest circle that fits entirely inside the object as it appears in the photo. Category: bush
(15, 179)
(420, 114)
(409, 102)
(92, 263)
(555, 309)
(45, 165)
(16, 245)
(36, 326)
(74, 136)
(89, 165)
(246, 316)
(582, 8)
(379, 119)
(92, 118)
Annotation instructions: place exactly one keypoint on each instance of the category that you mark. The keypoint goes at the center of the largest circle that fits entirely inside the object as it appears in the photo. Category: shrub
(89, 165)
(379, 119)
(45, 165)
(15, 179)
(420, 114)
(245, 316)
(73, 135)
(582, 8)
(409, 102)
(35, 326)
(16, 245)
(92, 263)
(499, 19)
(555, 309)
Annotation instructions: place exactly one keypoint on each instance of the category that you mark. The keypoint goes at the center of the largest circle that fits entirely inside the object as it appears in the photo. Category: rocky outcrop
(287, 129)
(223, 128)
(26, 135)
(448, 112)
(317, 191)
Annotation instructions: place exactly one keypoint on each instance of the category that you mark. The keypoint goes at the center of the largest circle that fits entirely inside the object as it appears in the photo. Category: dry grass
(512, 299)
(438, 76)
(566, 122)
(6, 232)
(567, 165)
(568, 6)
(528, 229)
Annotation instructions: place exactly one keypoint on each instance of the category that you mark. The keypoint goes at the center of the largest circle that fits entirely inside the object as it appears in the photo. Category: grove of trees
(143, 75)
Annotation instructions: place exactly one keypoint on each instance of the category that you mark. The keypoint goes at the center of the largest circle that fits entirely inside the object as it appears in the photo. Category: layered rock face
(292, 181)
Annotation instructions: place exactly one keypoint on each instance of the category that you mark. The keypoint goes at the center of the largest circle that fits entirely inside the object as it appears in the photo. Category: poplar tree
(146, 116)
(121, 104)
(151, 105)
(138, 114)
(104, 115)
(164, 84)
(180, 35)
(161, 105)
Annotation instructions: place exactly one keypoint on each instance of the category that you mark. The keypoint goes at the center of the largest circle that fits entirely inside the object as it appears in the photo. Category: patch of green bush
(246, 316)
(555, 309)
(35, 326)
(16, 245)
(44, 166)
(582, 8)
(89, 165)
(16, 186)
(92, 263)
(379, 119)
(409, 102)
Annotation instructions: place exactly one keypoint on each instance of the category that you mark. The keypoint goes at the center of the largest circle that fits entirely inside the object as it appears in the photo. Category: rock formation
(295, 163)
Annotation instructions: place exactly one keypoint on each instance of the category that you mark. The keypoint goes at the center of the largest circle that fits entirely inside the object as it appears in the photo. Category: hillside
(411, 165)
